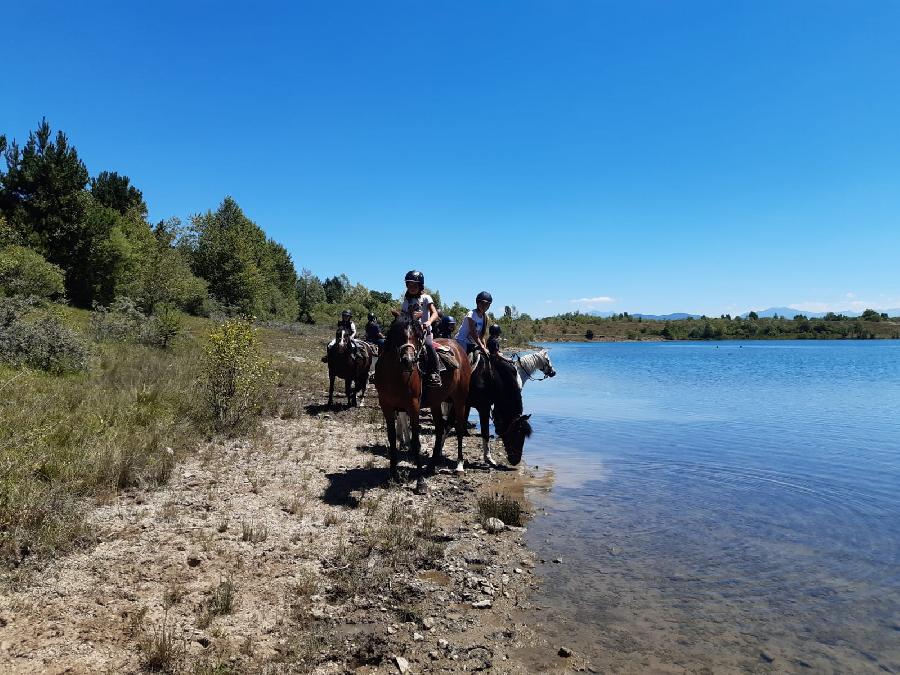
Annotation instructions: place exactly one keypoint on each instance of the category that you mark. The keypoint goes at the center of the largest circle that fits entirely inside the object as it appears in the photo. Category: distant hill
(676, 316)
(790, 313)
(786, 312)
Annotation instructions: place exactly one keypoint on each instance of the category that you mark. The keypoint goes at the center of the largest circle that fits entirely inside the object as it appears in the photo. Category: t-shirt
(351, 328)
(420, 303)
(463, 336)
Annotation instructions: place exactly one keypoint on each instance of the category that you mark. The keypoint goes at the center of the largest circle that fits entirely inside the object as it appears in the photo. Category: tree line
(87, 240)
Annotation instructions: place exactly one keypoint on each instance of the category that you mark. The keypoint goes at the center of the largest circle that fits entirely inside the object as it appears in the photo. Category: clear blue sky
(640, 156)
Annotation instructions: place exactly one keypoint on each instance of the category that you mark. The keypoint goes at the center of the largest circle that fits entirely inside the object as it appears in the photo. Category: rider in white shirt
(419, 306)
(474, 326)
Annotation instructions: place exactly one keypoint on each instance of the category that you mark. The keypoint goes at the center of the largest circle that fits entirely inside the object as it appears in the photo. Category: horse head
(402, 339)
(513, 437)
(341, 341)
(546, 367)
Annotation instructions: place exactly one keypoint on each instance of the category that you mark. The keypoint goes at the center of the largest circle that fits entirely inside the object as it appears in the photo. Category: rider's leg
(434, 378)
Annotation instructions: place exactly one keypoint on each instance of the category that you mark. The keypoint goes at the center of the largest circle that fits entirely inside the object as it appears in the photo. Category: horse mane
(396, 333)
(510, 403)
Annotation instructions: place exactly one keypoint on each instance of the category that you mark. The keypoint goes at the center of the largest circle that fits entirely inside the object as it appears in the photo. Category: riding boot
(433, 378)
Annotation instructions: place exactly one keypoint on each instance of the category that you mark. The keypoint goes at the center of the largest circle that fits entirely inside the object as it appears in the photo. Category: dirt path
(284, 552)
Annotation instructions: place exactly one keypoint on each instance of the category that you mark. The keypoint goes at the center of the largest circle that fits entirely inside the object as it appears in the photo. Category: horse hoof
(421, 487)
(460, 470)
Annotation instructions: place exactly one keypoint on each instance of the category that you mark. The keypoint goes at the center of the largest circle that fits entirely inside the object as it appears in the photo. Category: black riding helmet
(346, 314)
(371, 316)
(417, 276)
(494, 330)
(450, 321)
(484, 296)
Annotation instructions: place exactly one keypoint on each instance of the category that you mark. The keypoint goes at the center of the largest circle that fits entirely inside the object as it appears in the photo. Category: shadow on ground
(341, 484)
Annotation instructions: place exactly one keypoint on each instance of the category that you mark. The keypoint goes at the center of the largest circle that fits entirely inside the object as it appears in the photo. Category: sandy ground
(288, 552)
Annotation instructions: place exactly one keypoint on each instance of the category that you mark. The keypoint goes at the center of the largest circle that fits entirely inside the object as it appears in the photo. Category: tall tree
(42, 195)
(309, 294)
(117, 192)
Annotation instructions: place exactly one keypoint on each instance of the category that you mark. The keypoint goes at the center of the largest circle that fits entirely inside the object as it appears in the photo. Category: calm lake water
(730, 506)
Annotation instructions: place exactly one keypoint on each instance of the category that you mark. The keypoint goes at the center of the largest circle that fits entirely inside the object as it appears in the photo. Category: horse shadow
(343, 483)
(316, 409)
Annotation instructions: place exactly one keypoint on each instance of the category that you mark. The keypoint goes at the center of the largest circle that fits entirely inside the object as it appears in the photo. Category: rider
(493, 343)
(474, 326)
(345, 322)
(373, 331)
(446, 326)
(418, 306)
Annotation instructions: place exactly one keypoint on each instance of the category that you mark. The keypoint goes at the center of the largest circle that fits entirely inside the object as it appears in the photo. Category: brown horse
(399, 383)
(354, 370)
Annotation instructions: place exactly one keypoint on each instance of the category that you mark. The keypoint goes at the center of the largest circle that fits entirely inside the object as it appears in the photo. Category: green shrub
(122, 321)
(24, 272)
(43, 343)
(238, 378)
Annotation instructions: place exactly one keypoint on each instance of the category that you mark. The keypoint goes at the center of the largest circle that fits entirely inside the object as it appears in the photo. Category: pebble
(418, 637)
(557, 560)
(428, 622)
(494, 525)
(482, 604)
(443, 644)
(768, 658)
(519, 570)
(565, 652)
(402, 664)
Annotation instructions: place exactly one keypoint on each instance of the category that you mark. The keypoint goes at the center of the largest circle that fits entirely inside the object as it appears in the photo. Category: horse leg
(361, 383)
(331, 377)
(389, 419)
(439, 435)
(349, 392)
(403, 430)
(484, 416)
(462, 415)
(421, 486)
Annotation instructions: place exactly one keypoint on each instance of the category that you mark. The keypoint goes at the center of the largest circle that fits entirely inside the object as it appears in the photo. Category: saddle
(446, 355)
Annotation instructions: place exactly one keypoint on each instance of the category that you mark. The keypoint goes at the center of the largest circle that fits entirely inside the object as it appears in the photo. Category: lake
(721, 506)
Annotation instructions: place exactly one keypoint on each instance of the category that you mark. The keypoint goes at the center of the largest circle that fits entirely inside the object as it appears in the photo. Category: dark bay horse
(495, 385)
(399, 384)
(354, 370)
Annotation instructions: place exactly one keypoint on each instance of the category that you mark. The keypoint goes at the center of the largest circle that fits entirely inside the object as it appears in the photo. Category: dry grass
(500, 506)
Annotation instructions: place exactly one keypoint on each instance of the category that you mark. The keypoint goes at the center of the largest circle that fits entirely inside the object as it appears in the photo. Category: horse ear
(526, 417)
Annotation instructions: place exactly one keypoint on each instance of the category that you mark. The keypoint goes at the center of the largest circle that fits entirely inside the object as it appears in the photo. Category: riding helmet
(415, 275)
(450, 320)
(347, 313)
(484, 296)
(494, 330)
(371, 316)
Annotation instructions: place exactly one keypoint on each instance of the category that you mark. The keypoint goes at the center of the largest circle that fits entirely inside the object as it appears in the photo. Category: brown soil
(327, 568)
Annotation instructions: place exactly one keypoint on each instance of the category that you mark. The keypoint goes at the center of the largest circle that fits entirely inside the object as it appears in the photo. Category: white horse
(526, 367)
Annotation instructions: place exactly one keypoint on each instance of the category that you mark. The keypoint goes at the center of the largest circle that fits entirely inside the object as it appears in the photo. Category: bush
(122, 321)
(238, 378)
(44, 343)
(24, 272)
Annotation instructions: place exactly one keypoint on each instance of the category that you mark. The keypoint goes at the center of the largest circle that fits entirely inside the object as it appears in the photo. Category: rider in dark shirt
(373, 331)
(446, 326)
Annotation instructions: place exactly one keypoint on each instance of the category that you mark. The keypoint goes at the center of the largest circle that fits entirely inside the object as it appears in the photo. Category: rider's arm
(352, 330)
(432, 314)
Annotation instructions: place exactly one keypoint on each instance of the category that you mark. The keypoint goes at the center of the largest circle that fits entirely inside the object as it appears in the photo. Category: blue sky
(640, 156)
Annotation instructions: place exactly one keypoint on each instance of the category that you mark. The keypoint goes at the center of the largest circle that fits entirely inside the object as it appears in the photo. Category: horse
(354, 370)
(495, 384)
(529, 364)
(399, 384)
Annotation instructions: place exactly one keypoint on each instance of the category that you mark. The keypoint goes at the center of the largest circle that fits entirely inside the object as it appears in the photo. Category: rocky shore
(288, 552)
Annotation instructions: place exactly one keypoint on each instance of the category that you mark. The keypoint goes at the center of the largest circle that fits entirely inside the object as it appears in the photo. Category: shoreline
(285, 551)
